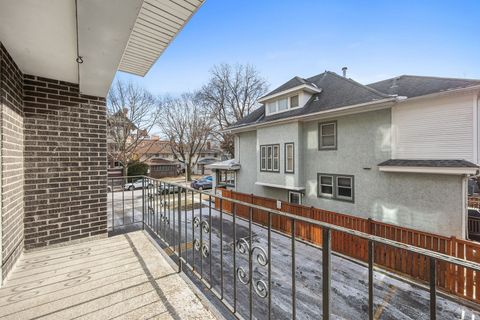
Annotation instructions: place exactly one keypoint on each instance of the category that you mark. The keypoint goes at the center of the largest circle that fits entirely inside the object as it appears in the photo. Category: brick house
(57, 61)
(159, 157)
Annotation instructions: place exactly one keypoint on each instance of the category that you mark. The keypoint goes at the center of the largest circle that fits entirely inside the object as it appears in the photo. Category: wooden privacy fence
(456, 280)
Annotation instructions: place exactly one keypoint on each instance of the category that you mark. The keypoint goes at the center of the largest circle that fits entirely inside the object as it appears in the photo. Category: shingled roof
(453, 163)
(292, 83)
(338, 91)
(414, 86)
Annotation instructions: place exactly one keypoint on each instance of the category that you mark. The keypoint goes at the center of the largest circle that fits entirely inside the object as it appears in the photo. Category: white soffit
(158, 22)
(40, 36)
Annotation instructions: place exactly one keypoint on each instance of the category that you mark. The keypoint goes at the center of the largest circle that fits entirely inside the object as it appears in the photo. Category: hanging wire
(79, 58)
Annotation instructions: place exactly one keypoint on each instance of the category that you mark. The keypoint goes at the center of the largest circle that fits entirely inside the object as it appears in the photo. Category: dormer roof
(334, 91)
(294, 84)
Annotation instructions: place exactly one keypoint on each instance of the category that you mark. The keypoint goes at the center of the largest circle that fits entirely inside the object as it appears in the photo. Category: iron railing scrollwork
(243, 247)
(200, 245)
(163, 213)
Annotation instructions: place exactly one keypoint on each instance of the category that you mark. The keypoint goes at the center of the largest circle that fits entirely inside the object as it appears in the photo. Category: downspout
(1, 173)
(476, 126)
(465, 206)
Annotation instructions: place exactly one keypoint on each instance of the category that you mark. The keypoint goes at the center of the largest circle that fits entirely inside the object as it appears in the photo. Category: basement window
(294, 197)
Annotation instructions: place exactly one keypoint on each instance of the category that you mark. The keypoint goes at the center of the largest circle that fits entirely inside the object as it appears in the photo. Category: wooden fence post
(451, 267)
(369, 226)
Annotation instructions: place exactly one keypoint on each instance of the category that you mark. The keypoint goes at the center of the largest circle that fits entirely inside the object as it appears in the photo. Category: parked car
(166, 189)
(138, 184)
(203, 183)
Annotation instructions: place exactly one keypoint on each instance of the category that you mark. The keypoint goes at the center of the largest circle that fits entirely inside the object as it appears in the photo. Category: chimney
(344, 71)
(208, 145)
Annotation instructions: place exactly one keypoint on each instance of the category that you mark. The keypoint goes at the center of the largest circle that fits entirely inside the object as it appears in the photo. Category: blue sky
(375, 40)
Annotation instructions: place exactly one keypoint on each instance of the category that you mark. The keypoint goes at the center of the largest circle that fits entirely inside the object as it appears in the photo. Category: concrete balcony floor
(122, 277)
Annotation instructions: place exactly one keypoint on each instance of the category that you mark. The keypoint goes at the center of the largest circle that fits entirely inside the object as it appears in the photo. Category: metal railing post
(113, 206)
(370, 279)
(433, 293)
(143, 203)
(179, 209)
(326, 276)
(294, 271)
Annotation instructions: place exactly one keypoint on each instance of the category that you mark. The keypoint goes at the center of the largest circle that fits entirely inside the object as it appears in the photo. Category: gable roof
(148, 147)
(338, 91)
(414, 86)
(292, 83)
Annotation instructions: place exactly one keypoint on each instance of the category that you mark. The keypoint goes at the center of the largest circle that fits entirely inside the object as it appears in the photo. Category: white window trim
(263, 157)
(277, 157)
(320, 136)
(337, 187)
(270, 160)
(289, 107)
(295, 192)
(287, 145)
(320, 184)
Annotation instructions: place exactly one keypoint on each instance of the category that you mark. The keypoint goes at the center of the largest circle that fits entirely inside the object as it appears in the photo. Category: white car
(138, 184)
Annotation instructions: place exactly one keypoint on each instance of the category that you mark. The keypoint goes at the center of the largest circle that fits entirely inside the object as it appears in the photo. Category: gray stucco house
(398, 151)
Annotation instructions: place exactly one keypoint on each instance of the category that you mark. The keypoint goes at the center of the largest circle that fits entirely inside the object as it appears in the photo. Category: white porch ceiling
(40, 36)
(112, 34)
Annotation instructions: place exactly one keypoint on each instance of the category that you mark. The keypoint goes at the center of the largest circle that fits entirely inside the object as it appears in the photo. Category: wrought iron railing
(225, 255)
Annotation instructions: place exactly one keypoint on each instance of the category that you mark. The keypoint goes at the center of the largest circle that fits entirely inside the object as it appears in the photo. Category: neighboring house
(160, 168)
(159, 157)
(208, 155)
(398, 150)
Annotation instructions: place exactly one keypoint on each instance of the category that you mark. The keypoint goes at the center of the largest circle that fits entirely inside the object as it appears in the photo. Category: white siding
(440, 128)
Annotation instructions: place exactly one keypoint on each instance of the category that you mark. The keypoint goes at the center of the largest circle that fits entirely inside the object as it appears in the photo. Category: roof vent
(344, 71)
(394, 83)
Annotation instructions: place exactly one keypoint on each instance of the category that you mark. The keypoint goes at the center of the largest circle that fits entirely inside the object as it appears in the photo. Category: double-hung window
(270, 158)
(263, 158)
(335, 186)
(325, 184)
(327, 136)
(294, 101)
(289, 157)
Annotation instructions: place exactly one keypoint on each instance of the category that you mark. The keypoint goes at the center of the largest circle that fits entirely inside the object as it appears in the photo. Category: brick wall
(65, 163)
(11, 161)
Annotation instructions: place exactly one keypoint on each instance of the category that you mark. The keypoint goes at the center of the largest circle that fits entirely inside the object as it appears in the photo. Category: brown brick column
(11, 162)
(65, 163)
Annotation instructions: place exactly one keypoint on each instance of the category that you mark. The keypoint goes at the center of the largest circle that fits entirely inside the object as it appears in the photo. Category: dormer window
(282, 105)
(294, 101)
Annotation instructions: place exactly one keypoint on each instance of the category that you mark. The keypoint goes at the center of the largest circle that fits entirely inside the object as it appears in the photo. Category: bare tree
(230, 95)
(132, 111)
(187, 127)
